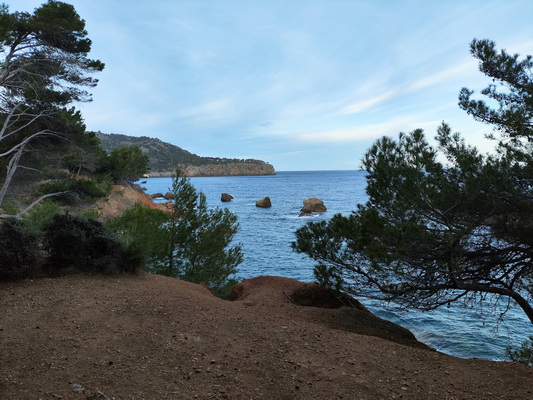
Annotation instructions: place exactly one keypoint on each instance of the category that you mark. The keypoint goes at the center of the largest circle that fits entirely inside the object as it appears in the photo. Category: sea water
(266, 235)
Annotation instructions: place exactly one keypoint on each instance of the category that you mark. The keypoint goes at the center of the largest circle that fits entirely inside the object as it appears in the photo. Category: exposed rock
(225, 197)
(157, 195)
(312, 205)
(313, 295)
(76, 387)
(272, 290)
(122, 198)
(98, 395)
(169, 196)
(264, 202)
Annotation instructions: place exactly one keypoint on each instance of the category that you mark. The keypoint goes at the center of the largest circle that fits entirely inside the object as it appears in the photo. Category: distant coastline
(221, 169)
(165, 158)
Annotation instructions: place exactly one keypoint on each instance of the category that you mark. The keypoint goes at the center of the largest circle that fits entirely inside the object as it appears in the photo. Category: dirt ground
(152, 337)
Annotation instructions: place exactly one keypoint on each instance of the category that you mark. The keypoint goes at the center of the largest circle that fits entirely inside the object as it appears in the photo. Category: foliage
(81, 244)
(200, 238)
(127, 164)
(42, 215)
(76, 188)
(442, 223)
(328, 277)
(86, 155)
(43, 68)
(48, 242)
(20, 255)
(515, 113)
(144, 229)
(191, 243)
(524, 354)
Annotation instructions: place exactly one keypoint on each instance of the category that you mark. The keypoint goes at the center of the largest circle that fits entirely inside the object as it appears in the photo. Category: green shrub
(524, 354)
(20, 254)
(145, 229)
(84, 189)
(42, 215)
(83, 244)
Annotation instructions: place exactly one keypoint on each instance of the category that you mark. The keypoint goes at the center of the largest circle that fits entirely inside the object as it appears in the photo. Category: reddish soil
(124, 197)
(152, 337)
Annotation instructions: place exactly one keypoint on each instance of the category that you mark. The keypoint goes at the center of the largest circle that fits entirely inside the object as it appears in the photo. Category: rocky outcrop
(349, 315)
(314, 295)
(312, 205)
(157, 195)
(122, 198)
(225, 197)
(264, 202)
(220, 169)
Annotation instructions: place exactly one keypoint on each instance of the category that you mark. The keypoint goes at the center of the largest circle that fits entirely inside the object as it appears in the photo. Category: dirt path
(151, 337)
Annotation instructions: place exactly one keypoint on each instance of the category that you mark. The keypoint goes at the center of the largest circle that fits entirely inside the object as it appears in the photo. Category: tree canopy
(445, 222)
(44, 67)
(127, 164)
(191, 242)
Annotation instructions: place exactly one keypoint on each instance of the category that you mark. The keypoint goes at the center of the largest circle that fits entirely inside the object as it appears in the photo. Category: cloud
(367, 104)
(361, 133)
(460, 71)
(219, 109)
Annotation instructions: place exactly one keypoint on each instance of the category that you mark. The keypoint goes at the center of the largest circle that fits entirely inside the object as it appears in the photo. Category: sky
(301, 84)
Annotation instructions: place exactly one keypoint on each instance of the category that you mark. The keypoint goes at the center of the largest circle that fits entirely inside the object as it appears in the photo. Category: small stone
(77, 388)
(98, 395)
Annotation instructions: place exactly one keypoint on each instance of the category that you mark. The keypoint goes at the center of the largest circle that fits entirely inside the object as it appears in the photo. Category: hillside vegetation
(165, 158)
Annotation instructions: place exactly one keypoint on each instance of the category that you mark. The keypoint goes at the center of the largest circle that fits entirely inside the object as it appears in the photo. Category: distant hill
(165, 158)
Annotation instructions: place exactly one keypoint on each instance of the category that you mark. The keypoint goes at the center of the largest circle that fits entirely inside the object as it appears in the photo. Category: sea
(266, 235)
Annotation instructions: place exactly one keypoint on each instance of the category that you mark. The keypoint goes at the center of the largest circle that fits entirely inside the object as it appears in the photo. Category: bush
(83, 244)
(20, 253)
(200, 238)
(144, 229)
(41, 215)
(524, 354)
(85, 189)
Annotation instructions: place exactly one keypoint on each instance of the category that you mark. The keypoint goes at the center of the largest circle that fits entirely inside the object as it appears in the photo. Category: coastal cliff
(221, 169)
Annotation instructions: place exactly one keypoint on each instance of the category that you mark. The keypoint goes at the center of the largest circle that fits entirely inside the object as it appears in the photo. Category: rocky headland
(219, 169)
(165, 157)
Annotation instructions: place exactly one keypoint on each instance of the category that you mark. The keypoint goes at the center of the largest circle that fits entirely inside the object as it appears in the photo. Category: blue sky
(301, 84)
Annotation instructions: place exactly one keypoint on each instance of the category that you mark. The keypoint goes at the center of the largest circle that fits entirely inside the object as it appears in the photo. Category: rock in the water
(169, 196)
(264, 202)
(226, 197)
(157, 195)
(311, 205)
